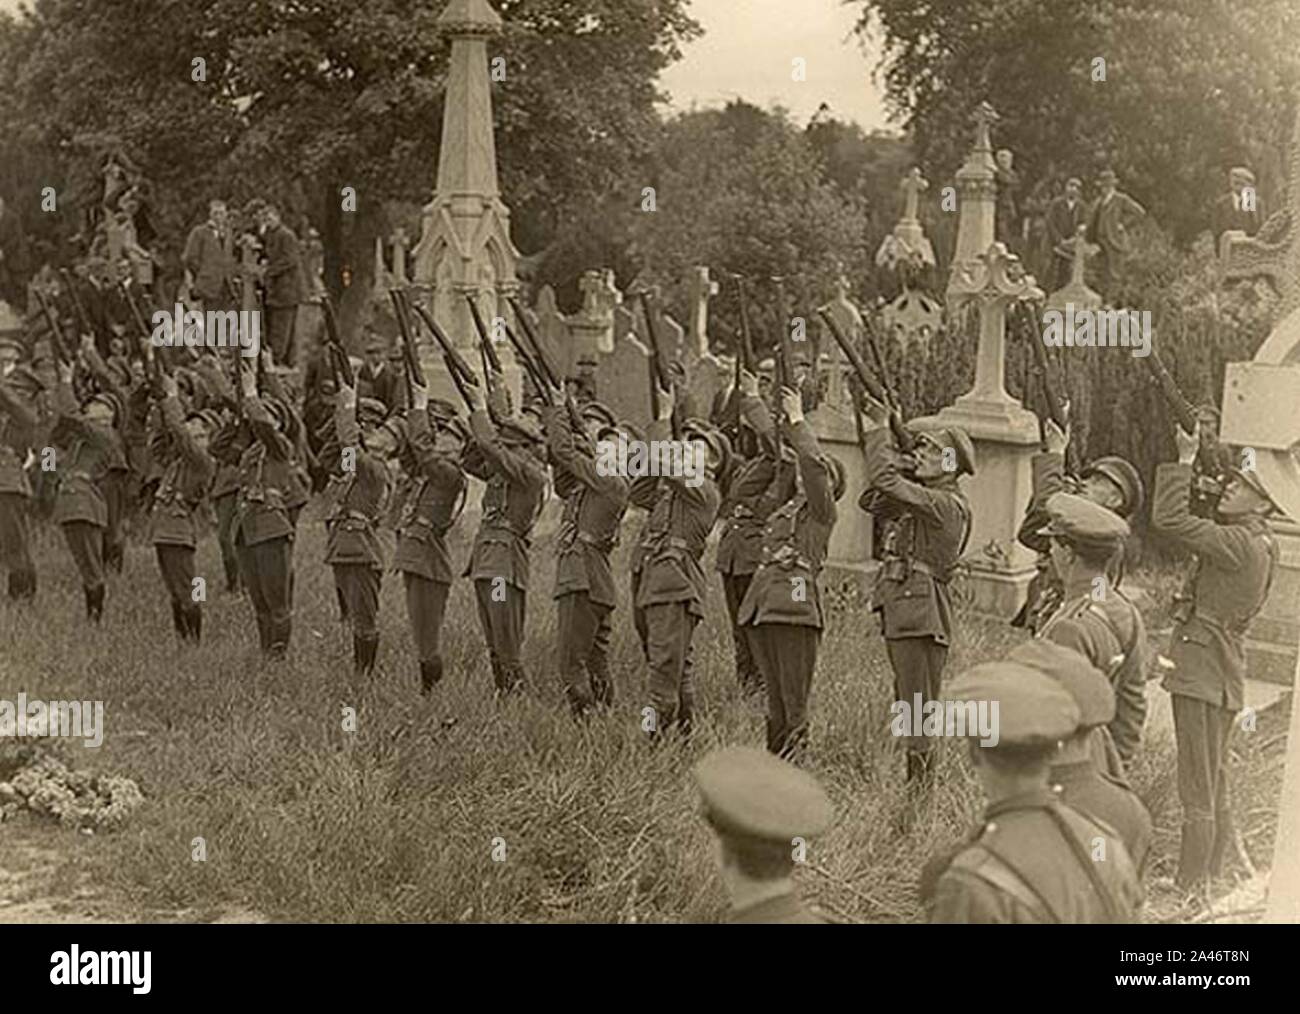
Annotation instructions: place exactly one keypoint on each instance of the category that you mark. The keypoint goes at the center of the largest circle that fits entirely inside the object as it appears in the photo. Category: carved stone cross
(1080, 252)
(913, 185)
(985, 116)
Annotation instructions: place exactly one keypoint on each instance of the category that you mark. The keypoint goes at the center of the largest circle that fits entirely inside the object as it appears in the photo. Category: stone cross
(984, 117)
(1080, 252)
(701, 288)
(913, 185)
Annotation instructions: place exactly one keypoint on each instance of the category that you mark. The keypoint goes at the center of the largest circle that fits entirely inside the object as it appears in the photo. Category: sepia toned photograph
(694, 462)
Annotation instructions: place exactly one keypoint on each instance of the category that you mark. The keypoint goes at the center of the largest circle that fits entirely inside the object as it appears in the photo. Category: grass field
(397, 821)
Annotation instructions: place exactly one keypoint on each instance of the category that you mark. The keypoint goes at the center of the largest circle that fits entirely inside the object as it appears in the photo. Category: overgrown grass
(397, 822)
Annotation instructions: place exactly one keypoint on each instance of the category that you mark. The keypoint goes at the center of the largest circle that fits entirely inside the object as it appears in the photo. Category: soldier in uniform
(228, 444)
(369, 442)
(761, 809)
(927, 522)
(88, 449)
(1031, 859)
(271, 493)
(508, 457)
(743, 510)
(188, 473)
(1237, 556)
(672, 588)
(18, 423)
(1074, 775)
(436, 441)
(1110, 481)
(782, 612)
(595, 499)
(1094, 618)
(1212, 467)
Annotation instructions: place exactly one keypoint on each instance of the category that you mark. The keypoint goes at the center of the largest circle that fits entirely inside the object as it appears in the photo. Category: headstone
(1076, 291)
(599, 298)
(553, 332)
(622, 376)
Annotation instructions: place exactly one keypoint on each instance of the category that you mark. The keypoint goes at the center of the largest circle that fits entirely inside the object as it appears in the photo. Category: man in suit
(1236, 558)
(1108, 226)
(762, 809)
(209, 259)
(1064, 216)
(379, 378)
(1240, 208)
(283, 282)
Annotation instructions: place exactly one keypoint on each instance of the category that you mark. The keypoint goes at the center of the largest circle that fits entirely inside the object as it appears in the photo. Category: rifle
(874, 386)
(529, 364)
(411, 359)
(56, 332)
(83, 319)
(658, 371)
(1184, 411)
(461, 374)
(490, 359)
(1042, 365)
(902, 435)
(541, 365)
(340, 365)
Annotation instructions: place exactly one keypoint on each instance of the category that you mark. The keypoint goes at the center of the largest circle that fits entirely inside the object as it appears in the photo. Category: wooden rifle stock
(1184, 411)
(410, 357)
(490, 359)
(335, 342)
(461, 374)
(56, 331)
(1029, 318)
(659, 379)
(83, 319)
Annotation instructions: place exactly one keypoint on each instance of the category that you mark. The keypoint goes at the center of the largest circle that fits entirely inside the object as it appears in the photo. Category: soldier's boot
(95, 603)
(498, 679)
(232, 575)
(430, 675)
(180, 622)
(29, 585)
(512, 678)
(774, 737)
(602, 682)
(278, 637)
(344, 618)
(195, 616)
(263, 632)
(364, 650)
(1195, 852)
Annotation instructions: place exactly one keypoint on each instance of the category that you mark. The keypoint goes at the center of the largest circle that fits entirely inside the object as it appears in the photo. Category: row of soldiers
(245, 448)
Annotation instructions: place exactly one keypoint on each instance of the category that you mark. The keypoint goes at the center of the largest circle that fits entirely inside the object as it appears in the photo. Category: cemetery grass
(397, 822)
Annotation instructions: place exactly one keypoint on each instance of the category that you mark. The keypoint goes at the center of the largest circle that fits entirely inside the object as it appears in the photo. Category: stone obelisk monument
(1005, 433)
(465, 246)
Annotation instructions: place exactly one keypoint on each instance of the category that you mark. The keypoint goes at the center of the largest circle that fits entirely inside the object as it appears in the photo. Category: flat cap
(1124, 475)
(1081, 679)
(951, 437)
(1033, 709)
(752, 794)
(1081, 522)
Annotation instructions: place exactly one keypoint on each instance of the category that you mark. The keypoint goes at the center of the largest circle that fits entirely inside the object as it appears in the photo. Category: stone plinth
(849, 553)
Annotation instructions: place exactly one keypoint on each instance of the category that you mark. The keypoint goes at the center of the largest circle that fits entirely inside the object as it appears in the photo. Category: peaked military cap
(750, 793)
(1081, 522)
(954, 437)
(1122, 473)
(371, 411)
(598, 412)
(521, 429)
(1250, 478)
(1081, 679)
(440, 409)
(1033, 709)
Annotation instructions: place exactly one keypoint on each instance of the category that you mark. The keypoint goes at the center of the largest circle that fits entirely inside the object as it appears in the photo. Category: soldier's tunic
(227, 447)
(18, 423)
(584, 583)
(116, 484)
(422, 558)
(86, 455)
(1079, 785)
(927, 527)
(352, 546)
(672, 587)
(743, 511)
(498, 563)
(1231, 582)
(270, 495)
(1109, 632)
(179, 495)
(782, 611)
(1031, 862)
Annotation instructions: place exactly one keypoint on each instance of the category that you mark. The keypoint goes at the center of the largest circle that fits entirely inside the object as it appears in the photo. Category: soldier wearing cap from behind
(763, 811)
(1074, 775)
(436, 442)
(595, 499)
(1110, 481)
(507, 454)
(672, 588)
(18, 425)
(926, 523)
(1032, 859)
(782, 612)
(1094, 618)
(1236, 559)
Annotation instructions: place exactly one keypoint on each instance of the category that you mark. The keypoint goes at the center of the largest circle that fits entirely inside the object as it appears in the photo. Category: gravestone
(552, 331)
(623, 375)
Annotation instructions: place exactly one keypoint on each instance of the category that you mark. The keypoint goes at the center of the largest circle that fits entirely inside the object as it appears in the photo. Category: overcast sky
(747, 52)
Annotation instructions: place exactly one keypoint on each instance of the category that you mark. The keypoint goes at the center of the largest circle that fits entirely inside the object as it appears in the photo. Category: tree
(1191, 88)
